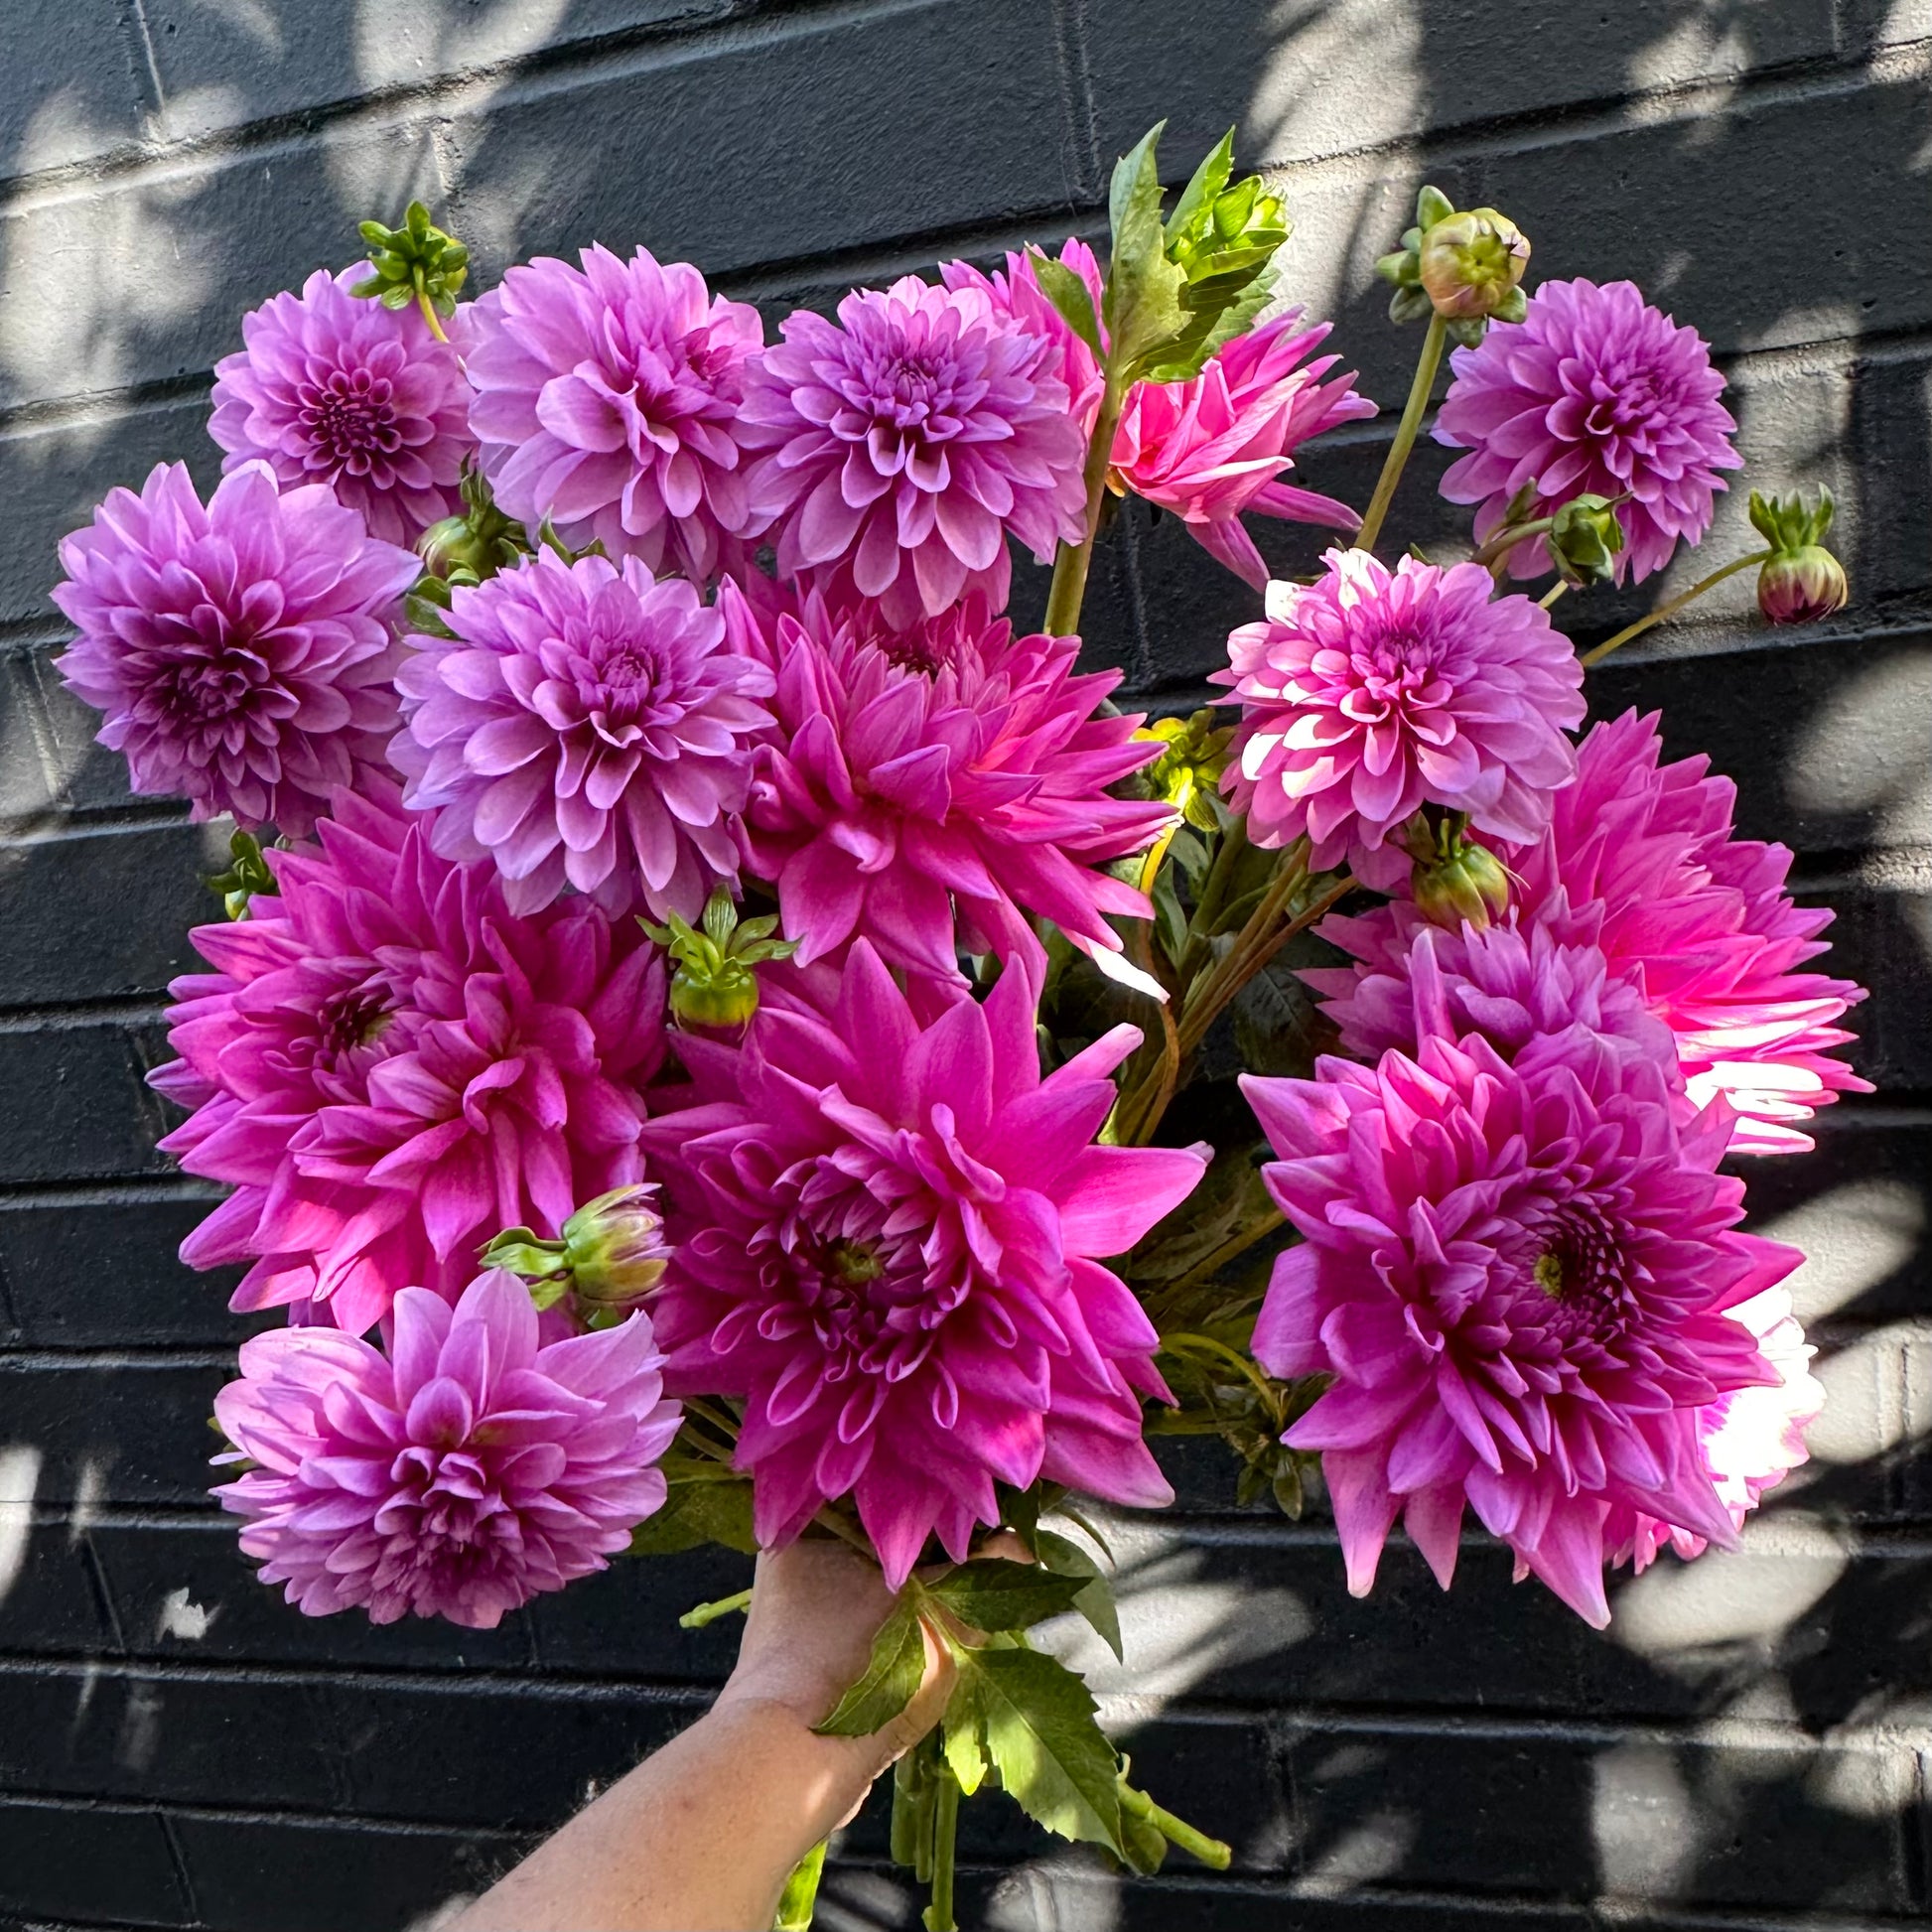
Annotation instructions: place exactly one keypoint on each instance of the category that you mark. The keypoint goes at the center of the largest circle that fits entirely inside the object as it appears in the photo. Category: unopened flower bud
(1189, 771)
(610, 1255)
(716, 981)
(417, 262)
(245, 877)
(1455, 881)
(1584, 540)
(1801, 581)
(1466, 267)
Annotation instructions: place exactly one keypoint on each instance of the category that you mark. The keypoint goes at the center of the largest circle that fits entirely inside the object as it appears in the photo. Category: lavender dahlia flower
(1594, 391)
(387, 1066)
(890, 1236)
(1520, 1275)
(337, 391)
(902, 445)
(459, 1475)
(587, 726)
(240, 650)
(1371, 692)
(608, 400)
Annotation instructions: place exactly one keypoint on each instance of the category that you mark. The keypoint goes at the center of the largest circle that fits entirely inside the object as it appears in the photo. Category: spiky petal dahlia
(1371, 692)
(608, 400)
(459, 1475)
(387, 1066)
(242, 648)
(1592, 391)
(587, 726)
(1519, 1275)
(1640, 862)
(901, 446)
(950, 767)
(891, 1251)
(337, 391)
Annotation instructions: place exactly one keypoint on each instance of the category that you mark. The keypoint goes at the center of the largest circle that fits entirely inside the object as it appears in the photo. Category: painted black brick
(89, 1862)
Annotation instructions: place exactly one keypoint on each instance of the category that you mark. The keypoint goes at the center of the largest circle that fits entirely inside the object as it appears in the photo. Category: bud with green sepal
(1189, 767)
(1584, 540)
(245, 877)
(416, 263)
(610, 1255)
(1456, 882)
(716, 982)
(1466, 266)
(459, 552)
(1801, 581)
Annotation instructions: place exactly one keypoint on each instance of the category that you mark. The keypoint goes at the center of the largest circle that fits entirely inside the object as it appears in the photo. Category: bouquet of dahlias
(697, 1059)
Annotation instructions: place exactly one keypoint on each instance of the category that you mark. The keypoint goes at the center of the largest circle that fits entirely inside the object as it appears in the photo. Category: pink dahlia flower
(337, 391)
(1520, 1275)
(1014, 290)
(387, 1066)
(1752, 1438)
(891, 1251)
(1219, 444)
(1640, 862)
(948, 768)
(1370, 693)
(902, 445)
(242, 650)
(461, 1474)
(1594, 391)
(587, 726)
(608, 400)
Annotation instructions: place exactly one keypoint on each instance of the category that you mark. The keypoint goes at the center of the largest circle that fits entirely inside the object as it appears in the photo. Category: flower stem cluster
(715, 984)
(416, 263)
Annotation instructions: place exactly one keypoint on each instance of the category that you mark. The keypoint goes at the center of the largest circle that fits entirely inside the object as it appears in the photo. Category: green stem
(938, 1916)
(1213, 895)
(1550, 596)
(1070, 564)
(1506, 539)
(738, 1601)
(1405, 435)
(1210, 1851)
(428, 307)
(1220, 986)
(1670, 608)
(800, 1894)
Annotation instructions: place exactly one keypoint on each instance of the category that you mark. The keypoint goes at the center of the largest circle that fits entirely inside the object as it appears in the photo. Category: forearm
(699, 1838)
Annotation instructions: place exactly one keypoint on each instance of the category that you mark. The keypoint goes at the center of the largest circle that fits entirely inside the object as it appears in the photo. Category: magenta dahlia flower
(1520, 1276)
(1217, 445)
(389, 1066)
(901, 446)
(608, 400)
(336, 390)
(1752, 1438)
(1014, 291)
(1370, 693)
(948, 768)
(1594, 391)
(240, 650)
(587, 726)
(891, 1240)
(461, 1474)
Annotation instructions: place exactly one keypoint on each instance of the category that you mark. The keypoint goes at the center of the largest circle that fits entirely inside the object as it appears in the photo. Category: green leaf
(889, 1682)
(800, 1894)
(1037, 1723)
(1142, 302)
(707, 1503)
(965, 1739)
(993, 1594)
(1198, 198)
(1135, 169)
(1094, 1600)
(1065, 289)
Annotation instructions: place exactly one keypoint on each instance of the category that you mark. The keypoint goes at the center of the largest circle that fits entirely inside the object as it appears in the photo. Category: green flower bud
(417, 262)
(1585, 541)
(610, 1255)
(1453, 879)
(248, 876)
(1189, 771)
(1801, 581)
(1466, 267)
(716, 981)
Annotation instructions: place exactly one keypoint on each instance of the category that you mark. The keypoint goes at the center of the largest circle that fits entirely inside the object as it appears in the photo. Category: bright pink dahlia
(240, 650)
(388, 1065)
(1594, 391)
(608, 400)
(891, 1240)
(337, 391)
(1371, 692)
(1752, 1438)
(459, 1475)
(1217, 445)
(949, 767)
(588, 728)
(1519, 1275)
(902, 445)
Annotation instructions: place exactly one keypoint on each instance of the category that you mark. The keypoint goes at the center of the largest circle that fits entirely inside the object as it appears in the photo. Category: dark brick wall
(1747, 1745)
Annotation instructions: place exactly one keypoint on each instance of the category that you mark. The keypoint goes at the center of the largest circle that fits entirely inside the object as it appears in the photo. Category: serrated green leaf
(1037, 1722)
(1142, 300)
(1094, 1600)
(891, 1679)
(1198, 197)
(964, 1738)
(800, 1894)
(991, 1593)
(1132, 173)
(1065, 289)
(706, 1503)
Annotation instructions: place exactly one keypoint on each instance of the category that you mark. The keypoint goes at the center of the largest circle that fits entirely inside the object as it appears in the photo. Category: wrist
(820, 1781)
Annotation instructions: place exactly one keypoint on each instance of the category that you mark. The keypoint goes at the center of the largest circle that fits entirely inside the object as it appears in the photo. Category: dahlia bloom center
(350, 418)
(1580, 1272)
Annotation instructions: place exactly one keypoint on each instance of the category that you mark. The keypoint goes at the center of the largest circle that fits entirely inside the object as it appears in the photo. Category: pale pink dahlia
(891, 1240)
(1370, 693)
(902, 445)
(1519, 1275)
(337, 391)
(587, 726)
(608, 400)
(950, 768)
(1752, 1438)
(242, 651)
(387, 1066)
(461, 1474)
(1219, 444)
(1594, 391)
